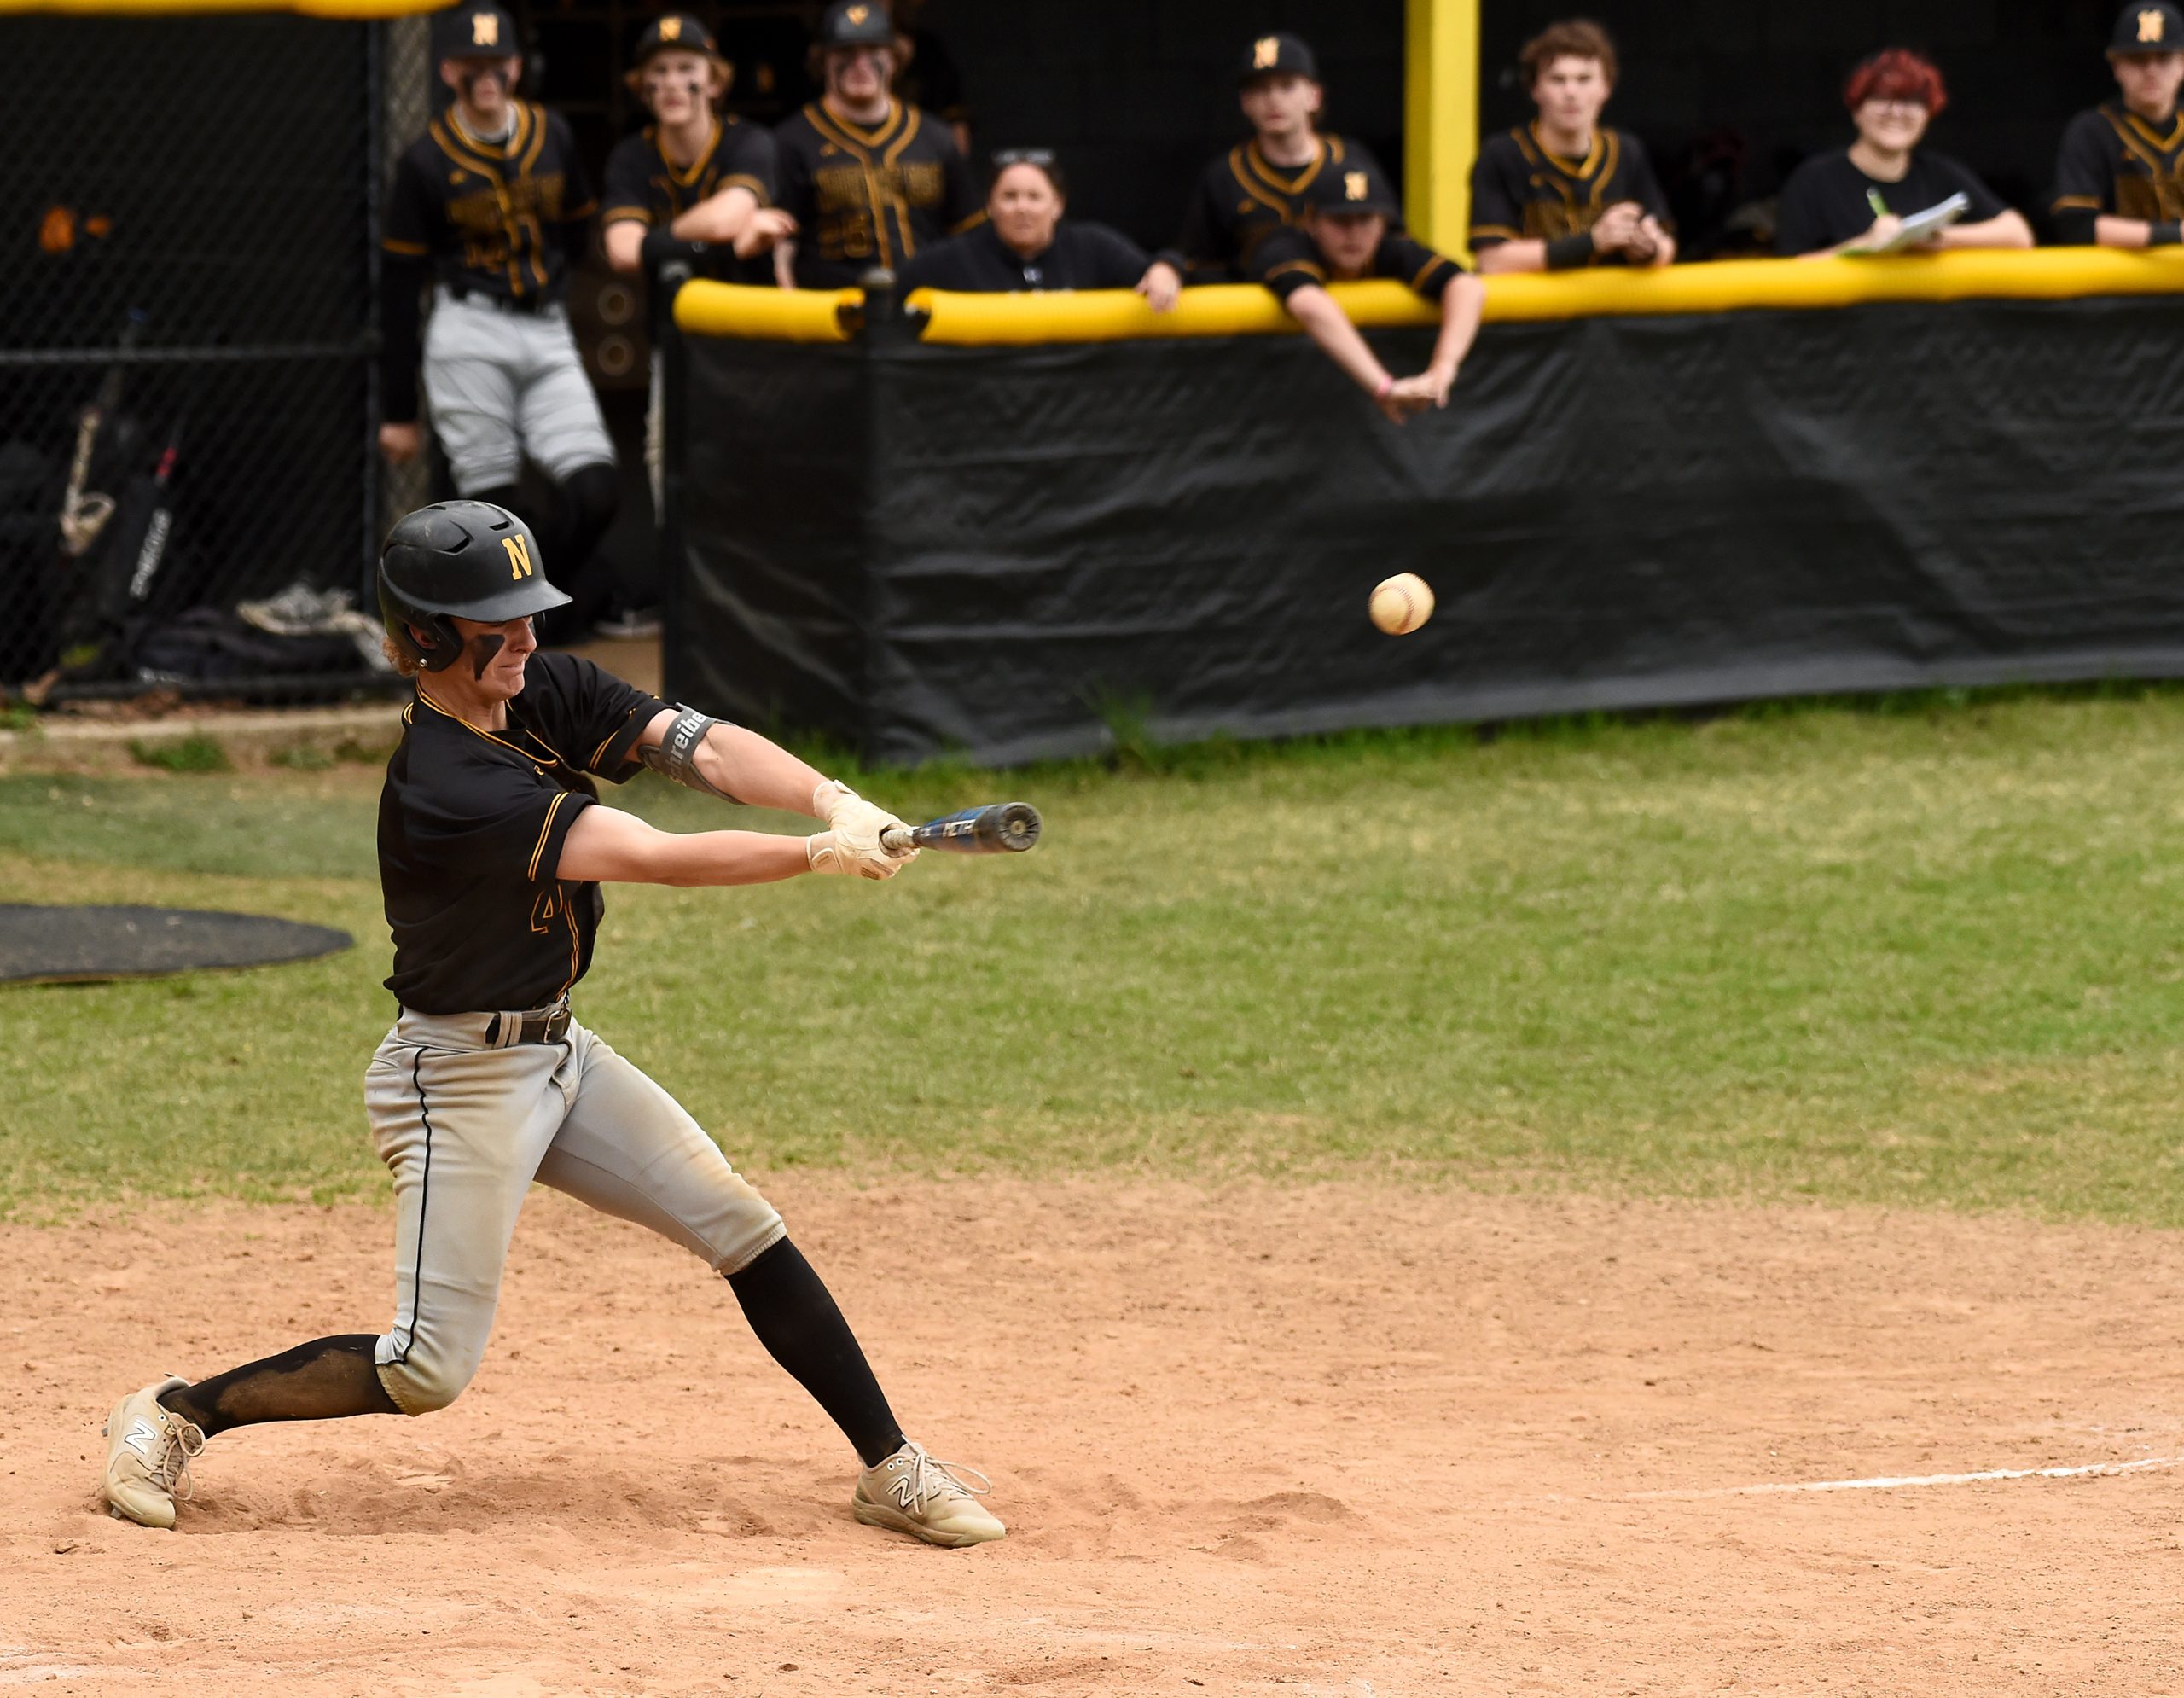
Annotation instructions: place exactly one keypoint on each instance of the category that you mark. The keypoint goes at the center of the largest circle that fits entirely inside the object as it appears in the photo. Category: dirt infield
(1335, 1440)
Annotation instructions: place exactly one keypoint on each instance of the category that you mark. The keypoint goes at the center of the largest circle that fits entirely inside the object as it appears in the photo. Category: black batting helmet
(467, 558)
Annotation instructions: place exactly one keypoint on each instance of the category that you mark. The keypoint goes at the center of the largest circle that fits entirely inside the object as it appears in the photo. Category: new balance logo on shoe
(141, 1438)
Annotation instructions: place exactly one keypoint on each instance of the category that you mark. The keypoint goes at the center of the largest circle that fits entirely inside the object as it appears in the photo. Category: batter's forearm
(606, 845)
(750, 768)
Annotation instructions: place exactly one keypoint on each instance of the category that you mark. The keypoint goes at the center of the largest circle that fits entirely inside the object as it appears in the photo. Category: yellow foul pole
(1440, 117)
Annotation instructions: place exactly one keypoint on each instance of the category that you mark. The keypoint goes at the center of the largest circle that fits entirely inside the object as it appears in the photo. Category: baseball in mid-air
(1400, 604)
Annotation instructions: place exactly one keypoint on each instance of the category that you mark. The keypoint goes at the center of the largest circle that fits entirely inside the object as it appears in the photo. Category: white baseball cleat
(912, 1493)
(148, 1452)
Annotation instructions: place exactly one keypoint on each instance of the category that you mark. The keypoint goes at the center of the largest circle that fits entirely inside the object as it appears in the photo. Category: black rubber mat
(55, 945)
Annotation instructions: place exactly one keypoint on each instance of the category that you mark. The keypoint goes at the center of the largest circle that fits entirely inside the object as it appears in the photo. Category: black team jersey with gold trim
(643, 188)
(1289, 259)
(471, 825)
(507, 219)
(1519, 191)
(864, 197)
(2112, 160)
(1242, 198)
(503, 219)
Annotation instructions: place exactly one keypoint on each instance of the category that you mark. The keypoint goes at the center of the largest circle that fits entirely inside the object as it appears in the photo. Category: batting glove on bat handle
(825, 852)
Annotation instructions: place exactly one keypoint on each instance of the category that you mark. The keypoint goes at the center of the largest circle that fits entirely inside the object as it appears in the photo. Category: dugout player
(1562, 191)
(1348, 234)
(868, 178)
(696, 185)
(492, 847)
(491, 205)
(2120, 182)
(1026, 244)
(1260, 186)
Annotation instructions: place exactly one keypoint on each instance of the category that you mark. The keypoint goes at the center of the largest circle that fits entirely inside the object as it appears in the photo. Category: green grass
(1926, 956)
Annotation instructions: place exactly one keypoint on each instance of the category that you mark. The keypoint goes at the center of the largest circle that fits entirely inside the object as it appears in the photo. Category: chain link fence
(186, 373)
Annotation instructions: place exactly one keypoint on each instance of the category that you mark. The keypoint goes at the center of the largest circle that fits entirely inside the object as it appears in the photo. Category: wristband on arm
(661, 245)
(2167, 235)
(1569, 251)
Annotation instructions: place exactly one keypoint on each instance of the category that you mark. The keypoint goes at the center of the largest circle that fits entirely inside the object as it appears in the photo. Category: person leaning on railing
(1562, 191)
(1853, 199)
(1259, 187)
(1025, 243)
(1348, 235)
(2120, 180)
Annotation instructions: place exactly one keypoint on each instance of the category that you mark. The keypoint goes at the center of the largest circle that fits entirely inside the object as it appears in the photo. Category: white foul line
(1886, 1482)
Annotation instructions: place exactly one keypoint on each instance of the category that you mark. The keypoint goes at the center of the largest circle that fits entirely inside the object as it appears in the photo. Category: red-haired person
(1349, 231)
(2120, 181)
(1561, 191)
(1851, 200)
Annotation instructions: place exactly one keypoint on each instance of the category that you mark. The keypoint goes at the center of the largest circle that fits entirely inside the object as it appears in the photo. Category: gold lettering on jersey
(519, 549)
(1265, 52)
(2150, 25)
(670, 29)
(485, 30)
(1353, 185)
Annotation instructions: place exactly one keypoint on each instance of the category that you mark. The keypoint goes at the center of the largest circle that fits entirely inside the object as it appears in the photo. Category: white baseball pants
(466, 1125)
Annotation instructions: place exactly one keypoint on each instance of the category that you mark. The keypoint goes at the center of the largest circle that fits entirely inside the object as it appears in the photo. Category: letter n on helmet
(459, 559)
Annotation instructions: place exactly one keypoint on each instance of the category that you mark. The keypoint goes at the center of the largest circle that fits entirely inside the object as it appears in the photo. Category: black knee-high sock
(322, 1380)
(789, 1308)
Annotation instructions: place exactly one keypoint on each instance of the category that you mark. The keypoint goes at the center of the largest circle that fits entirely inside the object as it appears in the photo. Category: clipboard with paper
(1916, 227)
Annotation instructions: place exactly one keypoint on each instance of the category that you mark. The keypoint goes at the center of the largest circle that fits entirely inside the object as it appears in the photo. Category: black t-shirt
(1289, 259)
(1241, 199)
(471, 825)
(1828, 200)
(863, 197)
(502, 218)
(1519, 191)
(2113, 161)
(1082, 256)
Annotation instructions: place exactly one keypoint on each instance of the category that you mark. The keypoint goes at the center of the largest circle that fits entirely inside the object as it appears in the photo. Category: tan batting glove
(823, 853)
(855, 825)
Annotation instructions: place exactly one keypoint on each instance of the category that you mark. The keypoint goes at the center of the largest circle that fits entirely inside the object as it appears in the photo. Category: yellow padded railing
(1246, 310)
(738, 309)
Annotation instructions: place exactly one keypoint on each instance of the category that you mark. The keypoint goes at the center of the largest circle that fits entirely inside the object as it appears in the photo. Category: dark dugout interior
(1136, 94)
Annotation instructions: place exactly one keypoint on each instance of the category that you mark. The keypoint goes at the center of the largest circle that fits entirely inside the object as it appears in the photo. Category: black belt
(529, 305)
(538, 1028)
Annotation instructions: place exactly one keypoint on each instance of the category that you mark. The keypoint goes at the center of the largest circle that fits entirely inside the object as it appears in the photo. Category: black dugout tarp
(919, 549)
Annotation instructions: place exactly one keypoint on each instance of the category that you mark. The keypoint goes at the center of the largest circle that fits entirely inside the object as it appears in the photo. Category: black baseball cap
(1278, 56)
(675, 30)
(480, 29)
(2149, 26)
(1356, 184)
(856, 23)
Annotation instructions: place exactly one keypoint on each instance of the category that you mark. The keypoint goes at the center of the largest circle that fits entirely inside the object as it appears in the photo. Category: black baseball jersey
(2114, 161)
(1828, 200)
(1243, 198)
(1519, 191)
(471, 825)
(1081, 256)
(643, 188)
(863, 197)
(503, 218)
(1289, 259)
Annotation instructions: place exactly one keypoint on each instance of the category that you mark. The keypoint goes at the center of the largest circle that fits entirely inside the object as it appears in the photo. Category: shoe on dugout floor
(148, 1452)
(912, 1493)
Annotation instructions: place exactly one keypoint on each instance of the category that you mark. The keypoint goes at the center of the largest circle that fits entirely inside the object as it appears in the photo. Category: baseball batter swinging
(492, 847)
